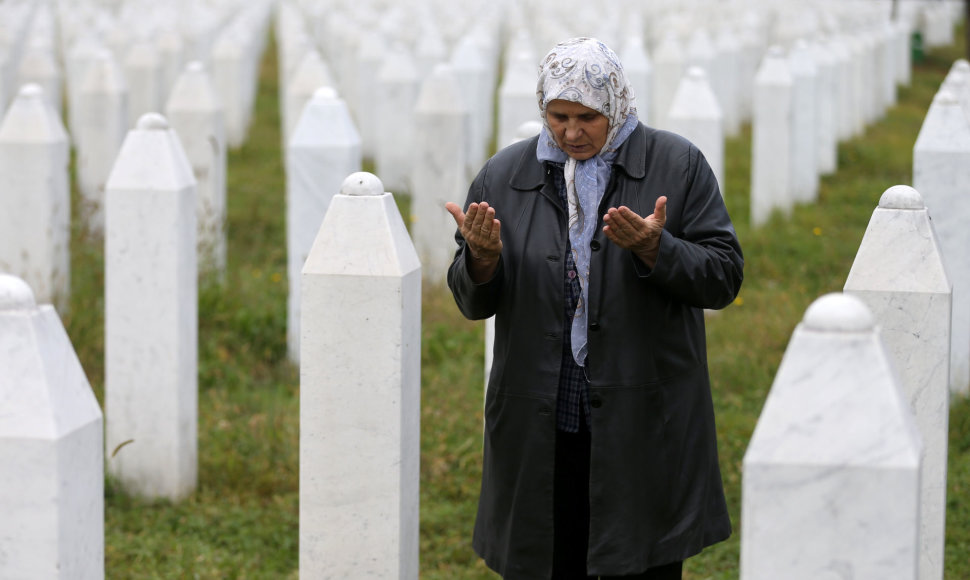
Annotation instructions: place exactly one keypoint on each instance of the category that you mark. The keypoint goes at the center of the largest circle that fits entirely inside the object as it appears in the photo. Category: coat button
(595, 401)
(594, 326)
(594, 245)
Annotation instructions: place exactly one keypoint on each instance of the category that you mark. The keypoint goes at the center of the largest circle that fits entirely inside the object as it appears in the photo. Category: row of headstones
(343, 261)
(847, 466)
(427, 113)
(835, 475)
(361, 323)
(35, 200)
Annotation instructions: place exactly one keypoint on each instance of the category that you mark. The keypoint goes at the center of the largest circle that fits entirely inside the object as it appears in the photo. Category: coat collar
(529, 173)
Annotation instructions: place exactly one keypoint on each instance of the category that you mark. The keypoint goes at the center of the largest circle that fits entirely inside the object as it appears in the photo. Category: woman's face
(579, 131)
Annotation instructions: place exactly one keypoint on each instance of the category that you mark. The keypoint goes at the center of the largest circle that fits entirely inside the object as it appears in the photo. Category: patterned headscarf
(585, 71)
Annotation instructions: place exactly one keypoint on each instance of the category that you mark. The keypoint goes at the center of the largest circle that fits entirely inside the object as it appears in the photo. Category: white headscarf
(585, 71)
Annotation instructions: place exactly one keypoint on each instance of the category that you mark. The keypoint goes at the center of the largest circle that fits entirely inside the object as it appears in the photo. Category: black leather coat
(655, 487)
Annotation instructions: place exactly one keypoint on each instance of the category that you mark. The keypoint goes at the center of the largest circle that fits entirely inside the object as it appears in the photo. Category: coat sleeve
(701, 262)
(475, 301)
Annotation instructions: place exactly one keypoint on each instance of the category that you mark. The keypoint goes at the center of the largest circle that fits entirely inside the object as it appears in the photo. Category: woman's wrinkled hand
(638, 234)
(482, 233)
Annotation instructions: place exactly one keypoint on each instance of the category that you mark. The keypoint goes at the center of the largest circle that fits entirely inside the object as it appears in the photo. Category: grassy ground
(242, 521)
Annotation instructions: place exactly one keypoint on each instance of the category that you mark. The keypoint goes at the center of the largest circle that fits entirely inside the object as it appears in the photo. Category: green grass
(242, 522)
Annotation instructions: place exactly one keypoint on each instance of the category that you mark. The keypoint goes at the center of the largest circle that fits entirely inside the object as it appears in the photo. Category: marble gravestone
(639, 71)
(52, 482)
(696, 115)
(439, 170)
(198, 118)
(899, 273)
(804, 126)
(941, 173)
(517, 95)
(324, 150)
(669, 64)
(469, 65)
(771, 138)
(311, 73)
(151, 315)
(35, 197)
(360, 391)
(397, 91)
(831, 476)
(143, 76)
(101, 124)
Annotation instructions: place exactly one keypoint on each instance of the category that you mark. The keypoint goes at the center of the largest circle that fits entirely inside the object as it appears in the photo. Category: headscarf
(585, 71)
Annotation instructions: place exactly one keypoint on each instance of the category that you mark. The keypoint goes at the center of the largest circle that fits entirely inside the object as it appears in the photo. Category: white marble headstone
(198, 118)
(771, 139)
(941, 172)
(360, 391)
(439, 171)
(52, 482)
(696, 114)
(151, 320)
(804, 168)
(35, 197)
(831, 476)
(397, 90)
(899, 273)
(324, 150)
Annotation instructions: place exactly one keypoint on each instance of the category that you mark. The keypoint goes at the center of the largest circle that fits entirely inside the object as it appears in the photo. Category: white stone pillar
(831, 475)
(78, 58)
(696, 114)
(941, 172)
(196, 114)
(151, 322)
(170, 47)
(229, 77)
(670, 63)
(324, 150)
(143, 75)
(470, 66)
(804, 169)
(52, 482)
(727, 67)
(370, 56)
(827, 109)
(440, 170)
(899, 273)
(517, 95)
(100, 125)
(771, 138)
(35, 197)
(639, 71)
(397, 93)
(360, 391)
(310, 74)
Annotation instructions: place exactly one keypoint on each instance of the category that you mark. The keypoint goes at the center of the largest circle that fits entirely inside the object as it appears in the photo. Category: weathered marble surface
(831, 476)
(772, 138)
(899, 273)
(324, 150)
(941, 172)
(198, 118)
(52, 482)
(151, 320)
(440, 171)
(696, 114)
(360, 391)
(35, 197)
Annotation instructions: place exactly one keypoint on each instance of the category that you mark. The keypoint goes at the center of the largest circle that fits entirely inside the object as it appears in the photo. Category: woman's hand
(482, 233)
(632, 232)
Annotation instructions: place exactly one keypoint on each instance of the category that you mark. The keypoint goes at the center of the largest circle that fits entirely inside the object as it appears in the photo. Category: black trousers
(571, 515)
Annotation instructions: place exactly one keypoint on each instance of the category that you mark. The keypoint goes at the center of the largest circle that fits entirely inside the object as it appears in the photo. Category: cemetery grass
(242, 522)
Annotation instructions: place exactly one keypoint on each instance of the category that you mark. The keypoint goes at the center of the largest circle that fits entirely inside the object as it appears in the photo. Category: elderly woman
(597, 245)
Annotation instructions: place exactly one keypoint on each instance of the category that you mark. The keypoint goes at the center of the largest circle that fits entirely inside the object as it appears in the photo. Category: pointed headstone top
(901, 197)
(15, 294)
(362, 183)
(838, 312)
